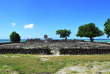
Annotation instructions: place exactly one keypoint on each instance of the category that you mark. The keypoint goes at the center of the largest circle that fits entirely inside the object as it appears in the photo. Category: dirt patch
(44, 59)
(15, 56)
(15, 72)
(4, 55)
(87, 68)
(47, 55)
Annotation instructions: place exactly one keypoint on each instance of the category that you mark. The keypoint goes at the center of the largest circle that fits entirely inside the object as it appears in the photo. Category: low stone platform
(58, 46)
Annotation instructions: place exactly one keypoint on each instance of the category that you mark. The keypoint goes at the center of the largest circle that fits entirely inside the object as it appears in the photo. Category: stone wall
(25, 51)
(84, 51)
(52, 40)
(61, 51)
(69, 47)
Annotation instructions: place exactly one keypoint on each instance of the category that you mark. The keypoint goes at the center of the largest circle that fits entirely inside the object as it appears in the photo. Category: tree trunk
(91, 39)
(65, 38)
(108, 36)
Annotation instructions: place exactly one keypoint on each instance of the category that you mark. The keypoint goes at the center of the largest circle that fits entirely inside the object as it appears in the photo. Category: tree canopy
(63, 33)
(107, 27)
(90, 31)
(14, 37)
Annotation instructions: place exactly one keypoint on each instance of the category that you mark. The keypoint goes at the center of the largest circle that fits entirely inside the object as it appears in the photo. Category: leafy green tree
(14, 37)
(107, 27)
(90, 31)
(63, 33)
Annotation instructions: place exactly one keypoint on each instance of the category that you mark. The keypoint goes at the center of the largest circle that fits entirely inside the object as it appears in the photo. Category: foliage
(90, 31)
(14, 37)
(107, 27)
(48, 49)
(63, 33)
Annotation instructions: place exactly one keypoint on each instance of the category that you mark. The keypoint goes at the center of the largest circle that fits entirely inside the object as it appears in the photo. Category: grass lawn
(32, 64)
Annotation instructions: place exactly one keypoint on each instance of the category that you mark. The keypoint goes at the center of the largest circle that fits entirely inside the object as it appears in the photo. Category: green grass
(29, 64)
(74, 72)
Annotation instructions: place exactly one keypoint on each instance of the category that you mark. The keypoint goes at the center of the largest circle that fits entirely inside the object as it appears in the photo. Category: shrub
(14, 37)
(48, 49)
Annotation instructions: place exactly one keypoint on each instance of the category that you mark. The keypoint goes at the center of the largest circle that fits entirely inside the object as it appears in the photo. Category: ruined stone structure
(61, 47)
(45, 37)
(38, 46)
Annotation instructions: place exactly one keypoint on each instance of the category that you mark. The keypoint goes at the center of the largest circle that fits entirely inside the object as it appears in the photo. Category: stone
(45, 37)
(44, 59)
(90, 66)
(7, 70)
(99, 72)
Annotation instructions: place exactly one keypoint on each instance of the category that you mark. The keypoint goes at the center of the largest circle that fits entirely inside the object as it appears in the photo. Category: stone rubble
(57, 45)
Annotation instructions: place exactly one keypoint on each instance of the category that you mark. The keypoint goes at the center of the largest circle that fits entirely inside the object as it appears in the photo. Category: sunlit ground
(31, 64)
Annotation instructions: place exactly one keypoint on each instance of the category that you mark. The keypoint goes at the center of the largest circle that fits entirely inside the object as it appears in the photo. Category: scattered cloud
(13, 24)
(30, 26)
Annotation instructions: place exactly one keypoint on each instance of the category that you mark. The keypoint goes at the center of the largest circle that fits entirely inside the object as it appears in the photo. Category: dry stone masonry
(62, 46)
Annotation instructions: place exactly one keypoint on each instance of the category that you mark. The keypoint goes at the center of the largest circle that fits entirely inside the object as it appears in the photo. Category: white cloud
(30, 26)
(13, 24)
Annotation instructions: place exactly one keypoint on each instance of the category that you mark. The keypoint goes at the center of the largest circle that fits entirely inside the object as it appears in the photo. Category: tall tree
(107, 27)
(90, 31)
(14, 37)
(63, 33)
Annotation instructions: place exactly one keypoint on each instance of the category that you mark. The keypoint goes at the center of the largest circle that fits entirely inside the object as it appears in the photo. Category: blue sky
(34, 18)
